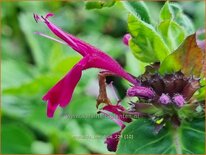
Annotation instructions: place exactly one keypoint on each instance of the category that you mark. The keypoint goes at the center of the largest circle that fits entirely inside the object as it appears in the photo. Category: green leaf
(173, 12)
(146, 43)
(181, 18)
(166, 12)
(188, 58)
(139, 138)
(99, 4)
(16, 139)
(172, 33)
(139, 9)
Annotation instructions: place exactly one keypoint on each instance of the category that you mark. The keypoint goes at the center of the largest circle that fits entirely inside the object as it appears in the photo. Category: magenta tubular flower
(140, 91)
(113, 140)
(61, 93)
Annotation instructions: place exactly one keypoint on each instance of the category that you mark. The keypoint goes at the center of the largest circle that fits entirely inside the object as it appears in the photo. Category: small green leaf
(99, 4)
(166, 12)
(188, 58)
(139, 9)
(142, 140)
(172, 33)
(146, 43)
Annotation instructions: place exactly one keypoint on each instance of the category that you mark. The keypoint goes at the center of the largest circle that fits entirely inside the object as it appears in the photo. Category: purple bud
(179, 100)
(126, 39)
(140, 91)
(164, 99)
(112, 141)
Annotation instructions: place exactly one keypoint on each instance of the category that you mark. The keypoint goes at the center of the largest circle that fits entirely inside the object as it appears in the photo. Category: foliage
(170, 140)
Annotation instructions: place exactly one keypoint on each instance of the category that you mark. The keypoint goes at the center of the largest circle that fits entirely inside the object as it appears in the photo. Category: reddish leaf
(188, 57)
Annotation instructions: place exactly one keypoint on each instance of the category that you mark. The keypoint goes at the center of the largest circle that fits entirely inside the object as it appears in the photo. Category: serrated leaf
(188, 58)
(146, 43)
(138, 8)
(168, 141)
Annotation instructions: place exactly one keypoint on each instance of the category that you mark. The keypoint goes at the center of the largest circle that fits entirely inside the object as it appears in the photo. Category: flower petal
(117, 110)
(112, 141)
(61, 93)
(100, 59)
(75, 43)
(103, 61)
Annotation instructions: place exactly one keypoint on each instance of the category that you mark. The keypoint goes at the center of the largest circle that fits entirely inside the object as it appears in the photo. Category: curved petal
(117, 110)
(75, 43)
(61, 93)
(104, 61)
(112, 141)
(100, 59)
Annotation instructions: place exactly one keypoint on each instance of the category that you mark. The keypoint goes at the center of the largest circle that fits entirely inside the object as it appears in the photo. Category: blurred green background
(31, 65)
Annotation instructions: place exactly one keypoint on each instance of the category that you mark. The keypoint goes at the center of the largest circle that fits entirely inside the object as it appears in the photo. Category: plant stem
(176, 140)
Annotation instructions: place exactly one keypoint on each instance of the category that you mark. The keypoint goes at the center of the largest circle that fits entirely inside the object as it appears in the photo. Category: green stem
(176, 140)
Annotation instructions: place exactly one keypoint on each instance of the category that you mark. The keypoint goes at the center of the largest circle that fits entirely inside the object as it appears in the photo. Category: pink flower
(61, 93)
